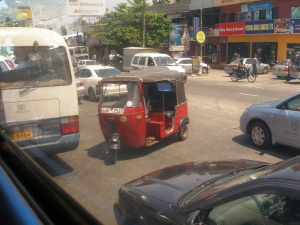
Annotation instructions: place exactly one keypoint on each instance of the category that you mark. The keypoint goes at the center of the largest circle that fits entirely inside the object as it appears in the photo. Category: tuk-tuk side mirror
(195, 218)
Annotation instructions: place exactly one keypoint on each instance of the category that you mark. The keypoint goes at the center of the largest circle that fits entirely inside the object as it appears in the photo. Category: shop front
(262, 38)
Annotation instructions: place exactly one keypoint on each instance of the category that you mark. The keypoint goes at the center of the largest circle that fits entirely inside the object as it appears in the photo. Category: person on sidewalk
(290, 67)
(254, 65)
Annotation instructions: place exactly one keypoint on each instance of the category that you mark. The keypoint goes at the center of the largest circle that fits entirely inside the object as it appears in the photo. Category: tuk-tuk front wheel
(112, 155)
(183, 132)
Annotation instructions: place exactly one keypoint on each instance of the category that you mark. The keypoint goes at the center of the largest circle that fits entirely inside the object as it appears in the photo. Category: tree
(123, 27)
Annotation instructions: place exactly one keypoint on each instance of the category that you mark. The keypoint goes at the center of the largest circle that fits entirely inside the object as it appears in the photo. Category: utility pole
(200, 66)
(144, 24)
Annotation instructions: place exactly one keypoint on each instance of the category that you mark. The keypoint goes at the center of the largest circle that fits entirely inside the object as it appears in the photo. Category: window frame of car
(201, 209)
(47, 200)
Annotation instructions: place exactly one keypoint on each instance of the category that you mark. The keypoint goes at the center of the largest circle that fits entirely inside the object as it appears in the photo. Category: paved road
(215, 105)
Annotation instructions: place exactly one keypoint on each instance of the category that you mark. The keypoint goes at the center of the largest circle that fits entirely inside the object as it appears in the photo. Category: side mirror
(195, 218)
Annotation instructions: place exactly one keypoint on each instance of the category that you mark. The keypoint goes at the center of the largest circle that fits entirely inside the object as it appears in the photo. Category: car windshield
(120, 95)
(284, 62)
(164, 61)
(107, 72)
(89, 63)
(47, 66)
(236, 61)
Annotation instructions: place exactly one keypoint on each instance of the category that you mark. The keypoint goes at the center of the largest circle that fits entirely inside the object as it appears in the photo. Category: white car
(186, 63)
(80, 89)
(84, 63)
(91, 75)
(273, 122)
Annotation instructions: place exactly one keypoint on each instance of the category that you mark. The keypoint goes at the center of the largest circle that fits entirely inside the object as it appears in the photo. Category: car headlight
(245, 111)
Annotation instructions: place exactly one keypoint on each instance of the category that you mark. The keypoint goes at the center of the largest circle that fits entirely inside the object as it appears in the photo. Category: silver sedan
(247, 62)
(281, 70)
(273, 122)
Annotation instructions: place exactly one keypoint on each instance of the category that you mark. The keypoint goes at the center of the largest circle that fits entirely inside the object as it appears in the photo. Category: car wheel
(265, 71)
(183, 132)
(92, 95)
(204, 70)
(260, 135)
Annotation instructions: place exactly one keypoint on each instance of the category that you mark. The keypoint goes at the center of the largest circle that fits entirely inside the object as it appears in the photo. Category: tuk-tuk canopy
(146, 76)
(151, 76)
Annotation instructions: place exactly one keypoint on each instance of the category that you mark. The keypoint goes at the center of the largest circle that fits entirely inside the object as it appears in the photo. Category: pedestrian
(254, 65)
(234, 57)
(290, 67)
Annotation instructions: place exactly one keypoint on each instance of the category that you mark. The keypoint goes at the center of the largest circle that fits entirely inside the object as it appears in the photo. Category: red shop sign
(232, 28)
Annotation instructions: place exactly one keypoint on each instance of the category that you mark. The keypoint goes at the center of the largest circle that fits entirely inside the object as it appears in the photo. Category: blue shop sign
(257, 6)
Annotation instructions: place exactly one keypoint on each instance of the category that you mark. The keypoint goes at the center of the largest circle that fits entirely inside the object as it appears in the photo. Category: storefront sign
(196, 22)
(200, 37)
(231, 28)
(259, 27)
(257, 6)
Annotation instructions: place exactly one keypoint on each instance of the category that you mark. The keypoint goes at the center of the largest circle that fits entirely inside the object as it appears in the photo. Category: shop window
(262, 14)
(240, 17)
(223, 18)
(269, 14)
(256, 15)
(231, 17)
(295, 12)
(266, 51)
(275, 13)
(291, 49)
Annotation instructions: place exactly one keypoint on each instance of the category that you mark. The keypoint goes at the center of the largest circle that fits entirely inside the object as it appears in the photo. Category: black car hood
(171, 183)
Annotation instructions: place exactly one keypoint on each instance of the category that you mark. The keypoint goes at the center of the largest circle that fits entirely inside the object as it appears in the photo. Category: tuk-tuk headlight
(115, 137)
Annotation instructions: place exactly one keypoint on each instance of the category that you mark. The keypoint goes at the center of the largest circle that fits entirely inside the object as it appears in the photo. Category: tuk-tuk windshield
(120, 95)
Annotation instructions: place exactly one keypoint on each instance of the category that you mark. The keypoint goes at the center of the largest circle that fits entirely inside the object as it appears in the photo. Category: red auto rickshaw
(141, 108)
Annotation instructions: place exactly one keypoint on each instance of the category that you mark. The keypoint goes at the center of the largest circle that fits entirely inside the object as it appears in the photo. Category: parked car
(281, 69)
(91, 75)
(6, 64)
(80, 89)
(142, 61)
(273, 122)
(186, 63)
(84, 63)
(221, 192)
(261, 68)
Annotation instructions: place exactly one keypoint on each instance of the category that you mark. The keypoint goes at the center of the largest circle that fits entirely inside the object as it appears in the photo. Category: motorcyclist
(241, 68)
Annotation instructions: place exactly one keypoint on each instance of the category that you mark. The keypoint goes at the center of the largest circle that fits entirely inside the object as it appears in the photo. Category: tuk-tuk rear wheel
(183, 132)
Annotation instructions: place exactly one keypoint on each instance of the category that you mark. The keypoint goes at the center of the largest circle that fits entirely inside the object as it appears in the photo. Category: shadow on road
(278, 151)
(99, 151)
(53, 165)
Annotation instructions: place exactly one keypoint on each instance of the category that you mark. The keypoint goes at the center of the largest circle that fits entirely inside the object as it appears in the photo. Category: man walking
(254, 65)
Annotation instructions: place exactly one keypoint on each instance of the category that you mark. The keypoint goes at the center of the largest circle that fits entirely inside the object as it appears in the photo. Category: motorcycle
(242, 74)
(142, 108)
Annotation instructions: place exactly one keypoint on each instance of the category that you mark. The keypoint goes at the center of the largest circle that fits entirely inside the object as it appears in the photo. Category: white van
(38, 98)
(142, 61)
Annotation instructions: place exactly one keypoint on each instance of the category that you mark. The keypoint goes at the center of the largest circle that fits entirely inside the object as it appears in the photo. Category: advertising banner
(257, 6)
(259, 27)
(24, 13)
(180, 38)
(295, 12)
(287, 26)
(86, 7)
(231, 28)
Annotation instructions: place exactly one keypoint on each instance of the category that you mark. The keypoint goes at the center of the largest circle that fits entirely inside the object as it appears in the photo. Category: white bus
(38, 98)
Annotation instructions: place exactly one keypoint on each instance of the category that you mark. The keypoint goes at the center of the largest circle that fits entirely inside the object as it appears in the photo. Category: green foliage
(123, 27)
